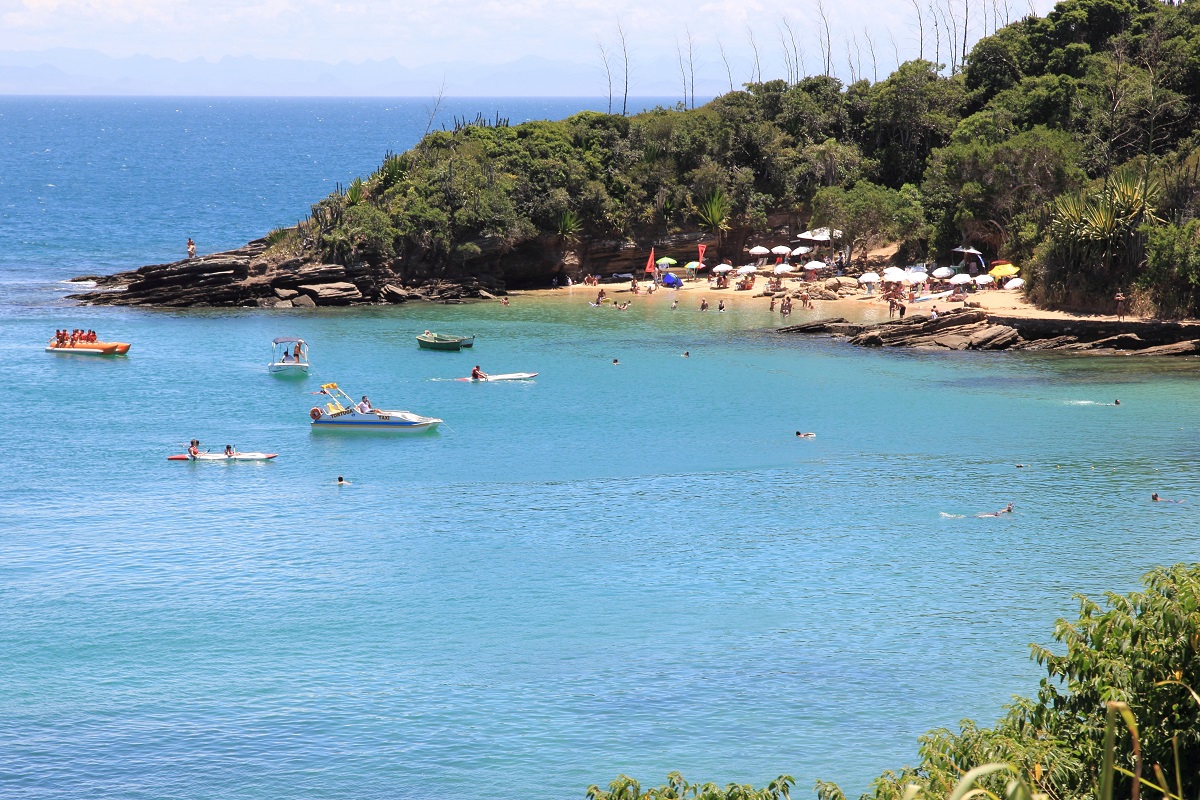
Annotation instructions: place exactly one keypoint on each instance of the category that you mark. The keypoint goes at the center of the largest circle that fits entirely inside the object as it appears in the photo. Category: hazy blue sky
(491, 31)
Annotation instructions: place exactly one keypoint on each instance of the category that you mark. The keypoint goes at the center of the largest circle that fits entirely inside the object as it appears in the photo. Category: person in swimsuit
(229, 451)
(191, 248)
(1001, 512)
(477, 374)
(1155, 498)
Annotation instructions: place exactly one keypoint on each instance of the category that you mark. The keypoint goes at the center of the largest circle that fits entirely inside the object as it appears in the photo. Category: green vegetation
(1065, 143)
(1115, 714)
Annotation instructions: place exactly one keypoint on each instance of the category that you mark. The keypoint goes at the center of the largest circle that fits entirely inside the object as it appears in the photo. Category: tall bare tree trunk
(874, 60)
(920, 32)
(725, 60)
(625, 60)
(756, 69)
(607, 66)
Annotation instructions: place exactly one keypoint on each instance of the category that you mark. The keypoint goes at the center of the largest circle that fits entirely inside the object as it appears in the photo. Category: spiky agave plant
(355, 192)
(570, 225)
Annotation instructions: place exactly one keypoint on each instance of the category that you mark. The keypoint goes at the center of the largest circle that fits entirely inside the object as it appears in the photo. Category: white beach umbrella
(943, 272)
(746, 270)
(801, 250)
(722, 268)
(869, 277)
(916, 277)
(783, 269)
(781, 250)
(815, 265)
(959, 280)
(759, 250)
(971, 251)
(1015, 283)
(982, 280)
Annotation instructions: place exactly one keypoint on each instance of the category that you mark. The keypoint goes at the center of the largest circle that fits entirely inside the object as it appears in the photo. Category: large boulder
(332, 294)
(301, 301)
(310, 274)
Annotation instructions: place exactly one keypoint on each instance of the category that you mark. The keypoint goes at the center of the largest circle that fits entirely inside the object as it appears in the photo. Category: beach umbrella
(982, 280)
(759, 250)
(1003, 271)
(971, 251)
(943, 272)
(665, 261)
(692, 265)
(916, 277)
(1015, 283)
(959, 280)
(814, 265)
(869, 277)
(801, 250)
(722, 268)
(781, 250)
(783, 269)
(746, 270)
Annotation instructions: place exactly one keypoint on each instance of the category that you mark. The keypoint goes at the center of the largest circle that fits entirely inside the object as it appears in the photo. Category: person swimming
(806, 435)
(1000, 513)
(1155, 498)
(343, 482)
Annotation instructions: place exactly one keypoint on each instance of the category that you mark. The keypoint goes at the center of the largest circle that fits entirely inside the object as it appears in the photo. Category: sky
(421, 33)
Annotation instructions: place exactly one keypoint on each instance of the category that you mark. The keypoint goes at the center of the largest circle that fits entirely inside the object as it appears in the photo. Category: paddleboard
(223, 457)
(510, 376)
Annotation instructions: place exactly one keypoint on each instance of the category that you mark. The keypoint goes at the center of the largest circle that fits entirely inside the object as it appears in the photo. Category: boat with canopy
(341, 413)
(289, 356)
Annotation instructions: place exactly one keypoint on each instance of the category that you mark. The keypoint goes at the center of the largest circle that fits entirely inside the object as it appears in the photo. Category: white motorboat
(289, 356)
(341, 413)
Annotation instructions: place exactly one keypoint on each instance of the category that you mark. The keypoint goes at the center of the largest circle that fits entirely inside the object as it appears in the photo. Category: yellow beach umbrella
(1003, 270)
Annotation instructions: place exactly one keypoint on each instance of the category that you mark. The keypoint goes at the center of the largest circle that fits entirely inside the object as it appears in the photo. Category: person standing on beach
(191, 248)
(1120, 298)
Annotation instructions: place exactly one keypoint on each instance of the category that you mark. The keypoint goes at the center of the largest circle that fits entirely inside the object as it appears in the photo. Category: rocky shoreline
(246, 277)
(975, 329)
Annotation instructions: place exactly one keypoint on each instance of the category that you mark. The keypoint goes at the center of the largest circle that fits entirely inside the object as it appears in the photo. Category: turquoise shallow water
(630, 568)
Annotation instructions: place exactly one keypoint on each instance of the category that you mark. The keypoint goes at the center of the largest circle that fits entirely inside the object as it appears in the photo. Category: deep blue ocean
(627, 568)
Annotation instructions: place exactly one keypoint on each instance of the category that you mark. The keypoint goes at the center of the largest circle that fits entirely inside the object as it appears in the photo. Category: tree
(865, 214)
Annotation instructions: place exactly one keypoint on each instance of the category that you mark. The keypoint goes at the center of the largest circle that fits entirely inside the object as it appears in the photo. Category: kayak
(510, 376)
(223, 457)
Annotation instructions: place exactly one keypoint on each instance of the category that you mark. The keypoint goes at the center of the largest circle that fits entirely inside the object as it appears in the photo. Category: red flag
(701, 258)
(650, 261)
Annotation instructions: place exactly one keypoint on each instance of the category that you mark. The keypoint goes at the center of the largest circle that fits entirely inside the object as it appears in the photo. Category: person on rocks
(191, 248)
(1120, 298)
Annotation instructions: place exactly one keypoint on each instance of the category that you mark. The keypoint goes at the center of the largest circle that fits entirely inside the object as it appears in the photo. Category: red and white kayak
(223, 457)
(510, 376)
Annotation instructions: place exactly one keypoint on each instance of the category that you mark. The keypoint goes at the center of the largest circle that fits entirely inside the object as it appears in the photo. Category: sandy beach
(1008, 303)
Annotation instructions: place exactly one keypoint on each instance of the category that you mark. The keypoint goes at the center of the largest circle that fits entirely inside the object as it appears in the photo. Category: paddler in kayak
(229, 451)
(477, 374)
(194, 447)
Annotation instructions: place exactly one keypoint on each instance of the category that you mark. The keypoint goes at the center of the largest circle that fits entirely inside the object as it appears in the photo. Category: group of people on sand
(66, 338)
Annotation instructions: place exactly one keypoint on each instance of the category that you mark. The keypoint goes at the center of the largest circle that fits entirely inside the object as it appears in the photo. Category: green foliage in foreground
(1114, 716)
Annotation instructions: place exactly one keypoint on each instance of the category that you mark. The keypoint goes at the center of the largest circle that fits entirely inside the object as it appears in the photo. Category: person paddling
(477, 374)
(194, 447)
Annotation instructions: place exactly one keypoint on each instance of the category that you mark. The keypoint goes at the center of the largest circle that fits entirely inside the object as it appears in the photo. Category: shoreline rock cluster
(975, 329)
(245, 277)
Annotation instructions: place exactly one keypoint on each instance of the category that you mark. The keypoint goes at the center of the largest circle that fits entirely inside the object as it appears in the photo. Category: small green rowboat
(438, 341)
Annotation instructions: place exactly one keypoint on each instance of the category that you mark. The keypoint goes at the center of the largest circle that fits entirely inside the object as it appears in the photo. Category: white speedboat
(289, 356)
(341, 413)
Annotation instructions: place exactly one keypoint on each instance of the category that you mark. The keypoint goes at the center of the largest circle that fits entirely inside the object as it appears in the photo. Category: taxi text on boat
(289, 356)
(341, 413)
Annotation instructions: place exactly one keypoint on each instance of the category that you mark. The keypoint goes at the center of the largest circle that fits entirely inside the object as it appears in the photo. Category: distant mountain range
(87, 72)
